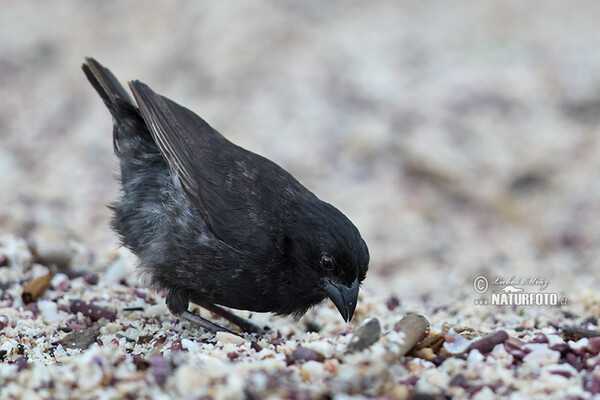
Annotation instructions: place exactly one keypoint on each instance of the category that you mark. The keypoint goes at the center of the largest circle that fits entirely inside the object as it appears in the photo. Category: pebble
(541, 355)
(459, 345)
(579, 345)
(313, 370)
(366, 335)
(322, 347)
(49, 310)
(190, 382)
(157, 309)
(484, 394)
(303, 354)
(226, 337)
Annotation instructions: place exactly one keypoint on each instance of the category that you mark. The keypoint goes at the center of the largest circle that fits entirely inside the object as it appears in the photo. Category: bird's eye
(327, 262)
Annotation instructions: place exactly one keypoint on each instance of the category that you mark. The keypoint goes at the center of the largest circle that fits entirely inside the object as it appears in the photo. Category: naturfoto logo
(511, 293)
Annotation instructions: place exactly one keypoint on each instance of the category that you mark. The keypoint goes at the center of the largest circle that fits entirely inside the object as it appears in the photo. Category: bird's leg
(203, 322)
(242, 323)
(178, 300)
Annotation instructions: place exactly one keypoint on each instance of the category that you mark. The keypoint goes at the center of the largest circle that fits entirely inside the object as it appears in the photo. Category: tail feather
(142, 165)
(105, 83)
(131, 138)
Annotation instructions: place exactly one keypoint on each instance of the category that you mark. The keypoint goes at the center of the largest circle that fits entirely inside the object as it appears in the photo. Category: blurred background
(461, 139)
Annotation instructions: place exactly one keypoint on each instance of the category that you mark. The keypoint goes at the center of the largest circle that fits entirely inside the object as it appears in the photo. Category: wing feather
(236, 191)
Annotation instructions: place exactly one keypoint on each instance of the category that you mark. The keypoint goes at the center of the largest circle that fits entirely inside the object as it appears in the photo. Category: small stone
(111, 327)
(157, 309)
(487, 343)
(304, 354)
(565, 370)
(456, 343)
(81, 339)
(392, 302)
(366, 335)
(560, 347)
(514, 347)
(331, 365)
(592, 383)
(140, 363)
(313, 370)
(22, 363)
(458, 380)
(190, 382)
(484, 394)
(177, 346)
(542, 356)
(540, 338)
(425, 353)
(255, 346)
(160, 369)
(91, 310)
(91, 278)
(226, 337)
(33, 307)
(414, 328)
(594, 345)
(575, 361)
(554, 340)
(49, 311)
(579, 345)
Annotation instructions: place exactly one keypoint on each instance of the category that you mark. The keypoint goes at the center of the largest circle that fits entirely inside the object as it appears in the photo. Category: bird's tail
(108, 87)
(131, 138)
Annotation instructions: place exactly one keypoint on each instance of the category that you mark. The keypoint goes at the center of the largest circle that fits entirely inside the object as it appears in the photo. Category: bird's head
(332, 255)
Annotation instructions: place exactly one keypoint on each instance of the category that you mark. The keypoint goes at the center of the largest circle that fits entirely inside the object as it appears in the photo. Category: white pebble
(16, 250)
(226, 337)
(313, 370)
(475, 357)
(30, 395)
(433, 381)
(581, 344)
(191, 346)
(190, 382)
(554, 339)
(7, 347)
(58, 279)
(542, 356)
(535, 346)
(49, 310)
(484, 394)
(110, 328)
(459, 345)
(157, 309)
(323, 347)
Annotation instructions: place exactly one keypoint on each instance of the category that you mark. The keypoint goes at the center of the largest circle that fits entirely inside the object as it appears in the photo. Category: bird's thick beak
(344, 297)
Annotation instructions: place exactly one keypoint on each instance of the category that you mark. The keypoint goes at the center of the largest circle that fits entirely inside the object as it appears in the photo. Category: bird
(217, 225)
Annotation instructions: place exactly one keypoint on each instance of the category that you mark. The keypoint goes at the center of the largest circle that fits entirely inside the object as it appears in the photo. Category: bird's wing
(239, 193)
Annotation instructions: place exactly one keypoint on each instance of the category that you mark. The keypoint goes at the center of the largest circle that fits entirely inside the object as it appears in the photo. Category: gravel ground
(464, 143)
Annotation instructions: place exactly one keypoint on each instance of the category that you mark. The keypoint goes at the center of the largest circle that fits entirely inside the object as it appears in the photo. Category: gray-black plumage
(215, 224)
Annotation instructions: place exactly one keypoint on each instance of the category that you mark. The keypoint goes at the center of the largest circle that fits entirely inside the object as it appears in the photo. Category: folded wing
(236, 191)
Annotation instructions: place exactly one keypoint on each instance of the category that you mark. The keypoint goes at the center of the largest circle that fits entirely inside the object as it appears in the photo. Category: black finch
(217, 225)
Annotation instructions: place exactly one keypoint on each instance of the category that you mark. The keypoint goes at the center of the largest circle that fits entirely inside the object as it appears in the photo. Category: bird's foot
(204, 323)
(243, 324)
